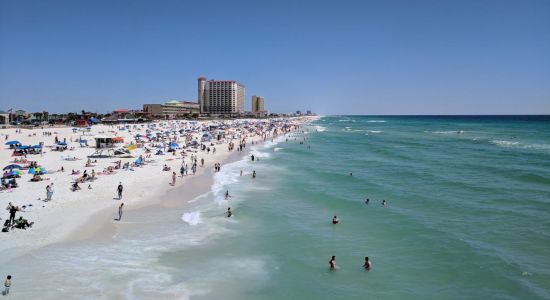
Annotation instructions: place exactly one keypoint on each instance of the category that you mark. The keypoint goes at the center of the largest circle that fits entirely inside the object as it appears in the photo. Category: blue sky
(334, 57)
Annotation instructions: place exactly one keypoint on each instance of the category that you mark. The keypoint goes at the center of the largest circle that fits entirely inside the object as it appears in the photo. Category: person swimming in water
(367, 201)
(227, 195)
(367, 264)
(384, 203)
(332, 263)
(228, 213)
(335, 220)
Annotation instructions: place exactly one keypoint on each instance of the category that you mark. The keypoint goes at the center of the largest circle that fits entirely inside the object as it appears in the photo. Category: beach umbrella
(62, 144)
(23, 147)
(11, 167)
(173, 145)
(12, 143)
(37, 146)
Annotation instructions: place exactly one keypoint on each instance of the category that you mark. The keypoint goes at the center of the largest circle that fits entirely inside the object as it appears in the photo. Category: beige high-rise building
(220, 96)
(257, 104)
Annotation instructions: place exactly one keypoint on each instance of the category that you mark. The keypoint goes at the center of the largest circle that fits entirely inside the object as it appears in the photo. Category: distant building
(4, 118)
(223, 97)
(172, 109)
(308, 113)
(257, 104)
(299, 112)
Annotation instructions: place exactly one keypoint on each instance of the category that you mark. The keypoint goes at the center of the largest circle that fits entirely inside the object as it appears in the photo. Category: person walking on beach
(120, 211)
(332, 263)
(49, 192)
(119, 190)
(7, 285)
(173, 178)
(367, 264)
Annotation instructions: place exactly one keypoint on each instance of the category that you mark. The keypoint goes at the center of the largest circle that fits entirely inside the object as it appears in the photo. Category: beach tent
(11, 167)
(37, 170)
(94, 120)
(173, 145)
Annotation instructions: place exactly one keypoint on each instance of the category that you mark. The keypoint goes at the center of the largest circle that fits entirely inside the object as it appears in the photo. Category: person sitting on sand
(22, 223)
(36, 177)
(75, 186)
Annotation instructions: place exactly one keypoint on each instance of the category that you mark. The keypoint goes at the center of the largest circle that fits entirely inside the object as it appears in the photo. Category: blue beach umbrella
(23, 147)
(62, 143)
(12, 143)
(11, 167)
(36, 146)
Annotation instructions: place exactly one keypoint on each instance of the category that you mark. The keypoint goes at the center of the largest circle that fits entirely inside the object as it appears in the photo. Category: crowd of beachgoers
(54, 178)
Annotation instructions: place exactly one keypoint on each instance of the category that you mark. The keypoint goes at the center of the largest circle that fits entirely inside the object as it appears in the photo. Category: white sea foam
(192, 218)
(376, 121)
(516, 144)
(320, 128)
(277, 149)
(447, 132)
(374, 131)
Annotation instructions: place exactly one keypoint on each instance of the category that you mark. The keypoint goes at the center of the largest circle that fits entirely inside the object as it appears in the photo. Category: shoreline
(85, 215)
(196, 185)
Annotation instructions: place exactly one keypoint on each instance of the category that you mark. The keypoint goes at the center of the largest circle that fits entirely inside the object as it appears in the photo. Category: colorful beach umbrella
(11, 167)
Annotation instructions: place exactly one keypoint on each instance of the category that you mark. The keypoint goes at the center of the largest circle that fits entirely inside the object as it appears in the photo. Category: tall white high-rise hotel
(221, 96)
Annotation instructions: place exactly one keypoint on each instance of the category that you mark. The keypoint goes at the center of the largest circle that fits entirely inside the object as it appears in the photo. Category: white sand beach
(76, 214)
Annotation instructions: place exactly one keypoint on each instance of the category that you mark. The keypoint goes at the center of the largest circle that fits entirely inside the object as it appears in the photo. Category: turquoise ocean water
(468, 217)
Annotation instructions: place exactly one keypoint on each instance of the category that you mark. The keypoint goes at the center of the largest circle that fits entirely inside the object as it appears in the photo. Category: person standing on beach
(119, 190)
(254, 174)
(7, 285)
(173, 178)
(12, 209)
(332, 263)
(120, 211)
(49, 192)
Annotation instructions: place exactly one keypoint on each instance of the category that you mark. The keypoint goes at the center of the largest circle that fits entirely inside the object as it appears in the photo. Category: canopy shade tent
(11, 167)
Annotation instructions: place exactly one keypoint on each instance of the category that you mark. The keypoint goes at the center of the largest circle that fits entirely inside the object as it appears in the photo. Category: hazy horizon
(331, 57)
